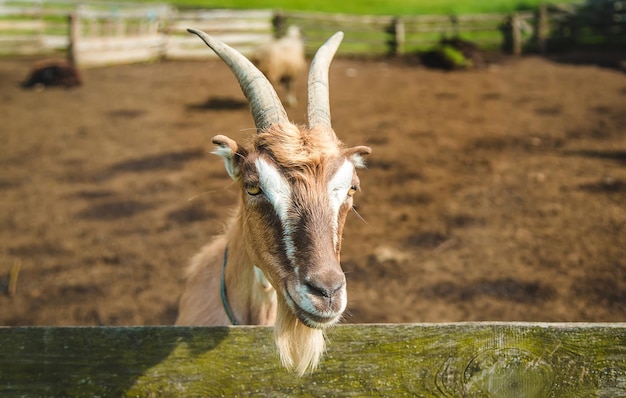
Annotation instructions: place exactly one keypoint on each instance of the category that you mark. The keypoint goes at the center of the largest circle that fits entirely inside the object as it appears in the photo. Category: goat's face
(295, 202)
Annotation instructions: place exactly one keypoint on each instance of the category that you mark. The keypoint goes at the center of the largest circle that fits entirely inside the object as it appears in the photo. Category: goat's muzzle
(318, 300)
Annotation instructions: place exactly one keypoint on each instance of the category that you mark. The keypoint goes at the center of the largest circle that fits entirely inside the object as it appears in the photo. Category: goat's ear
(357, 155)
(231, 153)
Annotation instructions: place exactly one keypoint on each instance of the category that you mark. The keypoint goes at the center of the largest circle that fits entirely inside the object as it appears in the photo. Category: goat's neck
(252, 301)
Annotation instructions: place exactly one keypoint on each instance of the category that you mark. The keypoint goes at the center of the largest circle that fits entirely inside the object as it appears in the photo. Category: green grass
(455, 56)
(375, 7)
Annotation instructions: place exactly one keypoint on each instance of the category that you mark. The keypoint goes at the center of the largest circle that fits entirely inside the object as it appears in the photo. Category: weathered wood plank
(223, 14)
(33, 26)
(188, 47)
(20, 45)
(221, 26)
(427, 360)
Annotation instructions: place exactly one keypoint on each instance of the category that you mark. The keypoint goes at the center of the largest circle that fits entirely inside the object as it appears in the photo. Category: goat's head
(297, 184)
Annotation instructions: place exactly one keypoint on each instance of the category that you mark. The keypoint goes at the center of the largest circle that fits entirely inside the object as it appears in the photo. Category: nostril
(317, 290)
(320, 288)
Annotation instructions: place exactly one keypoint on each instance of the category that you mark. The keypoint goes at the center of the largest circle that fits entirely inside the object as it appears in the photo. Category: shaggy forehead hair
(301, 147)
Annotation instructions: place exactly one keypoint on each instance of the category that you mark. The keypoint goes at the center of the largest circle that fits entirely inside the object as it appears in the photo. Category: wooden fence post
(74, 35)
(516, 34)
(542, 28)
(39, 17)
(399, 37)
(278, 22)
(454, 21)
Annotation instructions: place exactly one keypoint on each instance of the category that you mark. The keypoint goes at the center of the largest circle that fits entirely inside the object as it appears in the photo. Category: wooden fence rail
(102, 35)
(243, 29)
(383, 35)
(426, 360)
(123, 32)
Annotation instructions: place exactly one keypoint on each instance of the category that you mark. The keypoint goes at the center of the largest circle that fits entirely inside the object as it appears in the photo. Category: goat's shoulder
(199, 302)
(209, 257)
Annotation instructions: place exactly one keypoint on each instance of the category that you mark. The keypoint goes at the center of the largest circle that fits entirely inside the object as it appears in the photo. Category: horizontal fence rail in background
(426, 360)
(244, 30)
(101, 32)
(383, 35)
(104, 35)
(108, 33)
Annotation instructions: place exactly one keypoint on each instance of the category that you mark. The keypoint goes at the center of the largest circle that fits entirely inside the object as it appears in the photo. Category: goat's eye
(253, 190)
(352, 190)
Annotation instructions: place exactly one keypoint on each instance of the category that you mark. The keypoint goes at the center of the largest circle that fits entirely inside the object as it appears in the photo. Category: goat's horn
(264, 102)
(318, 111)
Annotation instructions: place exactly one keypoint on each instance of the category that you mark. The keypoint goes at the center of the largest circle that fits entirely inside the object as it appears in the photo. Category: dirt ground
(494, 194)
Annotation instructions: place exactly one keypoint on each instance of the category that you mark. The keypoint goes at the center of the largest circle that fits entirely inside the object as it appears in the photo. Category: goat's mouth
(311, 316)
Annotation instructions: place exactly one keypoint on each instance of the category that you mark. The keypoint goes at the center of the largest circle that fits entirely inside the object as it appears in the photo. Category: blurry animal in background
(470, 50)
(278, 262)
(453, 53)
(50, 73)
(282, 60)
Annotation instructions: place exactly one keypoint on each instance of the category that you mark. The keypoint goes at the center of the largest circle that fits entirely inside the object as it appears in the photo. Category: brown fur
(283, 244)
(307, 159)
(293, 146)
(201, 302)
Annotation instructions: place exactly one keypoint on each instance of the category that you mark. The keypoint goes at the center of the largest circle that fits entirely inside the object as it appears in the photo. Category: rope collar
(233, 321)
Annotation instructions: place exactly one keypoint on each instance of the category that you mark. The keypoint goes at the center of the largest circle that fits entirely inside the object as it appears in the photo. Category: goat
(453, 53)
(282, 60)
(278, 262)
(48, 73)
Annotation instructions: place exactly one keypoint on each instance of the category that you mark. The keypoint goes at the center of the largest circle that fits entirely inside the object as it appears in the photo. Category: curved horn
(265, 105)
(318, 111)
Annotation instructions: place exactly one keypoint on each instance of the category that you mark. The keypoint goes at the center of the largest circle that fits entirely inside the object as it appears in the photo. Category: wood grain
(427, 360)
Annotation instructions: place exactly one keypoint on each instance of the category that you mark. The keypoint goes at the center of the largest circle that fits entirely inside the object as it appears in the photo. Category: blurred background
(496, 189)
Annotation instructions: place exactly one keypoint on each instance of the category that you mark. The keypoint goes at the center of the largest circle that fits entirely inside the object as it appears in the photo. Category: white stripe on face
(338, 188)
(278, 192)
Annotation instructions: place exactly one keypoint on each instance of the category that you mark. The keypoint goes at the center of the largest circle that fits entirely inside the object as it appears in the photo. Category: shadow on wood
(92, 361)
(428, 360)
